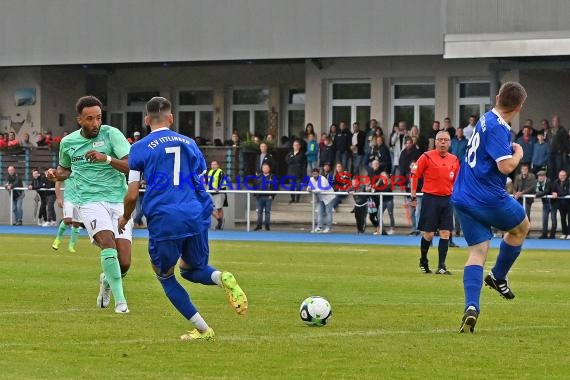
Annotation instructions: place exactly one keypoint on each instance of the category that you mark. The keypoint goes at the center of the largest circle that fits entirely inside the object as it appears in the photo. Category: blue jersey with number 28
(175, 204)
(480, 183)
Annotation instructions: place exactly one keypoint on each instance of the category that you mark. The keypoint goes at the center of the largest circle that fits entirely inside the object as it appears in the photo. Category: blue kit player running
(178, 210)
(482, 202)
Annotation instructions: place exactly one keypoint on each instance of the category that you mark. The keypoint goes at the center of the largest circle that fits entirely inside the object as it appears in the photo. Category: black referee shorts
(436, 213)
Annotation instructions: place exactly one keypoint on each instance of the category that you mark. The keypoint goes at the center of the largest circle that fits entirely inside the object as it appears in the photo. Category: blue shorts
(477, 221)
(194, 250)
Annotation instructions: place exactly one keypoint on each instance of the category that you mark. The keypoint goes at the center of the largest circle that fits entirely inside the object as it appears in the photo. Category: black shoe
(452, 244)
(442, 270)
(258, 228)
(424, 267)
(501, 286)
(543, 236)
(457, 233)
(291, 201)
(552, 237)
(469, 320)
(267, 228)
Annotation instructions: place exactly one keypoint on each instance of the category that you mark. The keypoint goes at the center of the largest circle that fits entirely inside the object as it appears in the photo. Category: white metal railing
(249, 193)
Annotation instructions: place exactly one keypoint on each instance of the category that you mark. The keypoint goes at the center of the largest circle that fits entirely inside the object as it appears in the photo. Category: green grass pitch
(389, 321)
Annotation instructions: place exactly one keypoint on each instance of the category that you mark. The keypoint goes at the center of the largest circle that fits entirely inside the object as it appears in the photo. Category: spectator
(136, 137)
(39, 184)
(560, 189)
(357, 148)
(325, 201)
(527, 123)
(360, 205)
(540, 153)
(13, 142)
(256, 140)
(380, 182)
(13, 182)
(435, 128)
(342, 144)
(270, 139)
(397, 142)
(414, 132)
(296, 169)
(4, 138)
(374, 128)
(235, 139)
(543, 188)
(545, 129)
(327, 172)
(265, 182)
(469, 128)
(40, 140)
(381, 153)
(309, 128)
(448, 127)
(340, 178)
(48, 138)
(558, 148)
(215, 182)
(459, 144)
(371, 141)
(50, 202)
(312, 153)
(26, 143)
(322, 141)
(326, 154)
(526, 141)
(525, 183)
(264, 157)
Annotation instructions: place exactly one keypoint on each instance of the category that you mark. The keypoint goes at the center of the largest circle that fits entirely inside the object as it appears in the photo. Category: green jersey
(94, 181)
(69, 194)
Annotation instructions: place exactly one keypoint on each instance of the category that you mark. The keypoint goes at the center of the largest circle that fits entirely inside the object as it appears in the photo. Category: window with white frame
(249, 110)
(196, 114)
(295, 112)
(349, 102)
(473, 98)
(413, 103)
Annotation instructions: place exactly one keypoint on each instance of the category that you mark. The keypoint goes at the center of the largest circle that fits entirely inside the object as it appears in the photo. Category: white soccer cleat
(122, 308)
(104, 296)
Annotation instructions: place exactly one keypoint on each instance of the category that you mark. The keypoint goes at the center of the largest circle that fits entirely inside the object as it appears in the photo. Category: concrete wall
(61, 87)
(39, 32)
(20, 119)
(382, 72)
(548, 95)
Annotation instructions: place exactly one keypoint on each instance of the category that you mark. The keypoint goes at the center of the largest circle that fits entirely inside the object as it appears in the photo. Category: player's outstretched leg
(60, 231)
(112, 271)
(104, 296)
(73, 239)
(179, 297)
(235, 294)
(469, 320)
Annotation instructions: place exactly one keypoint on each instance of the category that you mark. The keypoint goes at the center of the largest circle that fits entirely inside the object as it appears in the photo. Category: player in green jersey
(97, 155)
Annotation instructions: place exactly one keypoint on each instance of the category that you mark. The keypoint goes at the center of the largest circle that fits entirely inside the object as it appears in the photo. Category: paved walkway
(307, 237)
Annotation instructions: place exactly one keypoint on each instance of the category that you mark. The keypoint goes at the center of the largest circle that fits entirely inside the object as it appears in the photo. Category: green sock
(61, 230)
(74, 236)
(112, 270)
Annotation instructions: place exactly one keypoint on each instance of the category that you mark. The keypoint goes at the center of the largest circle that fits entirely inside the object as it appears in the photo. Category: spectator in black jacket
(296, 169)
(326, 154)
(543, 187)
(39, 184)
(380, 152)
(357, 148)
(17, 195)
(264, 157)
(558, 149)
(265, 182)
(342, 144)
(560, 189)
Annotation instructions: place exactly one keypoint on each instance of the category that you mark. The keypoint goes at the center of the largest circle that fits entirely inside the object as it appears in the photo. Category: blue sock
(178, 296)
(199, 276)
(505, 260)
(472, 283)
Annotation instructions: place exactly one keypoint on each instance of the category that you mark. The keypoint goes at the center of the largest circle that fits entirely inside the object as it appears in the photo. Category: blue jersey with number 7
(175, 204)
(480, 183)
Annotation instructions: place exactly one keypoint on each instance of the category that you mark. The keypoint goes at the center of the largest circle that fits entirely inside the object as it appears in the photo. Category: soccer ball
(315, 311)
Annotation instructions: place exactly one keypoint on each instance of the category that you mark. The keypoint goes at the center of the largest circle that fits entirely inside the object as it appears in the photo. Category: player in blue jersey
(481, 200)
(178, 209)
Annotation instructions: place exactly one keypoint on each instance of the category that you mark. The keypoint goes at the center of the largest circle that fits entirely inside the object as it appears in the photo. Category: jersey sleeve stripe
(504, 157)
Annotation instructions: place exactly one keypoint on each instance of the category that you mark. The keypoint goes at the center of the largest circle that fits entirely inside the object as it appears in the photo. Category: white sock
(199, 322)
(217, 277)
